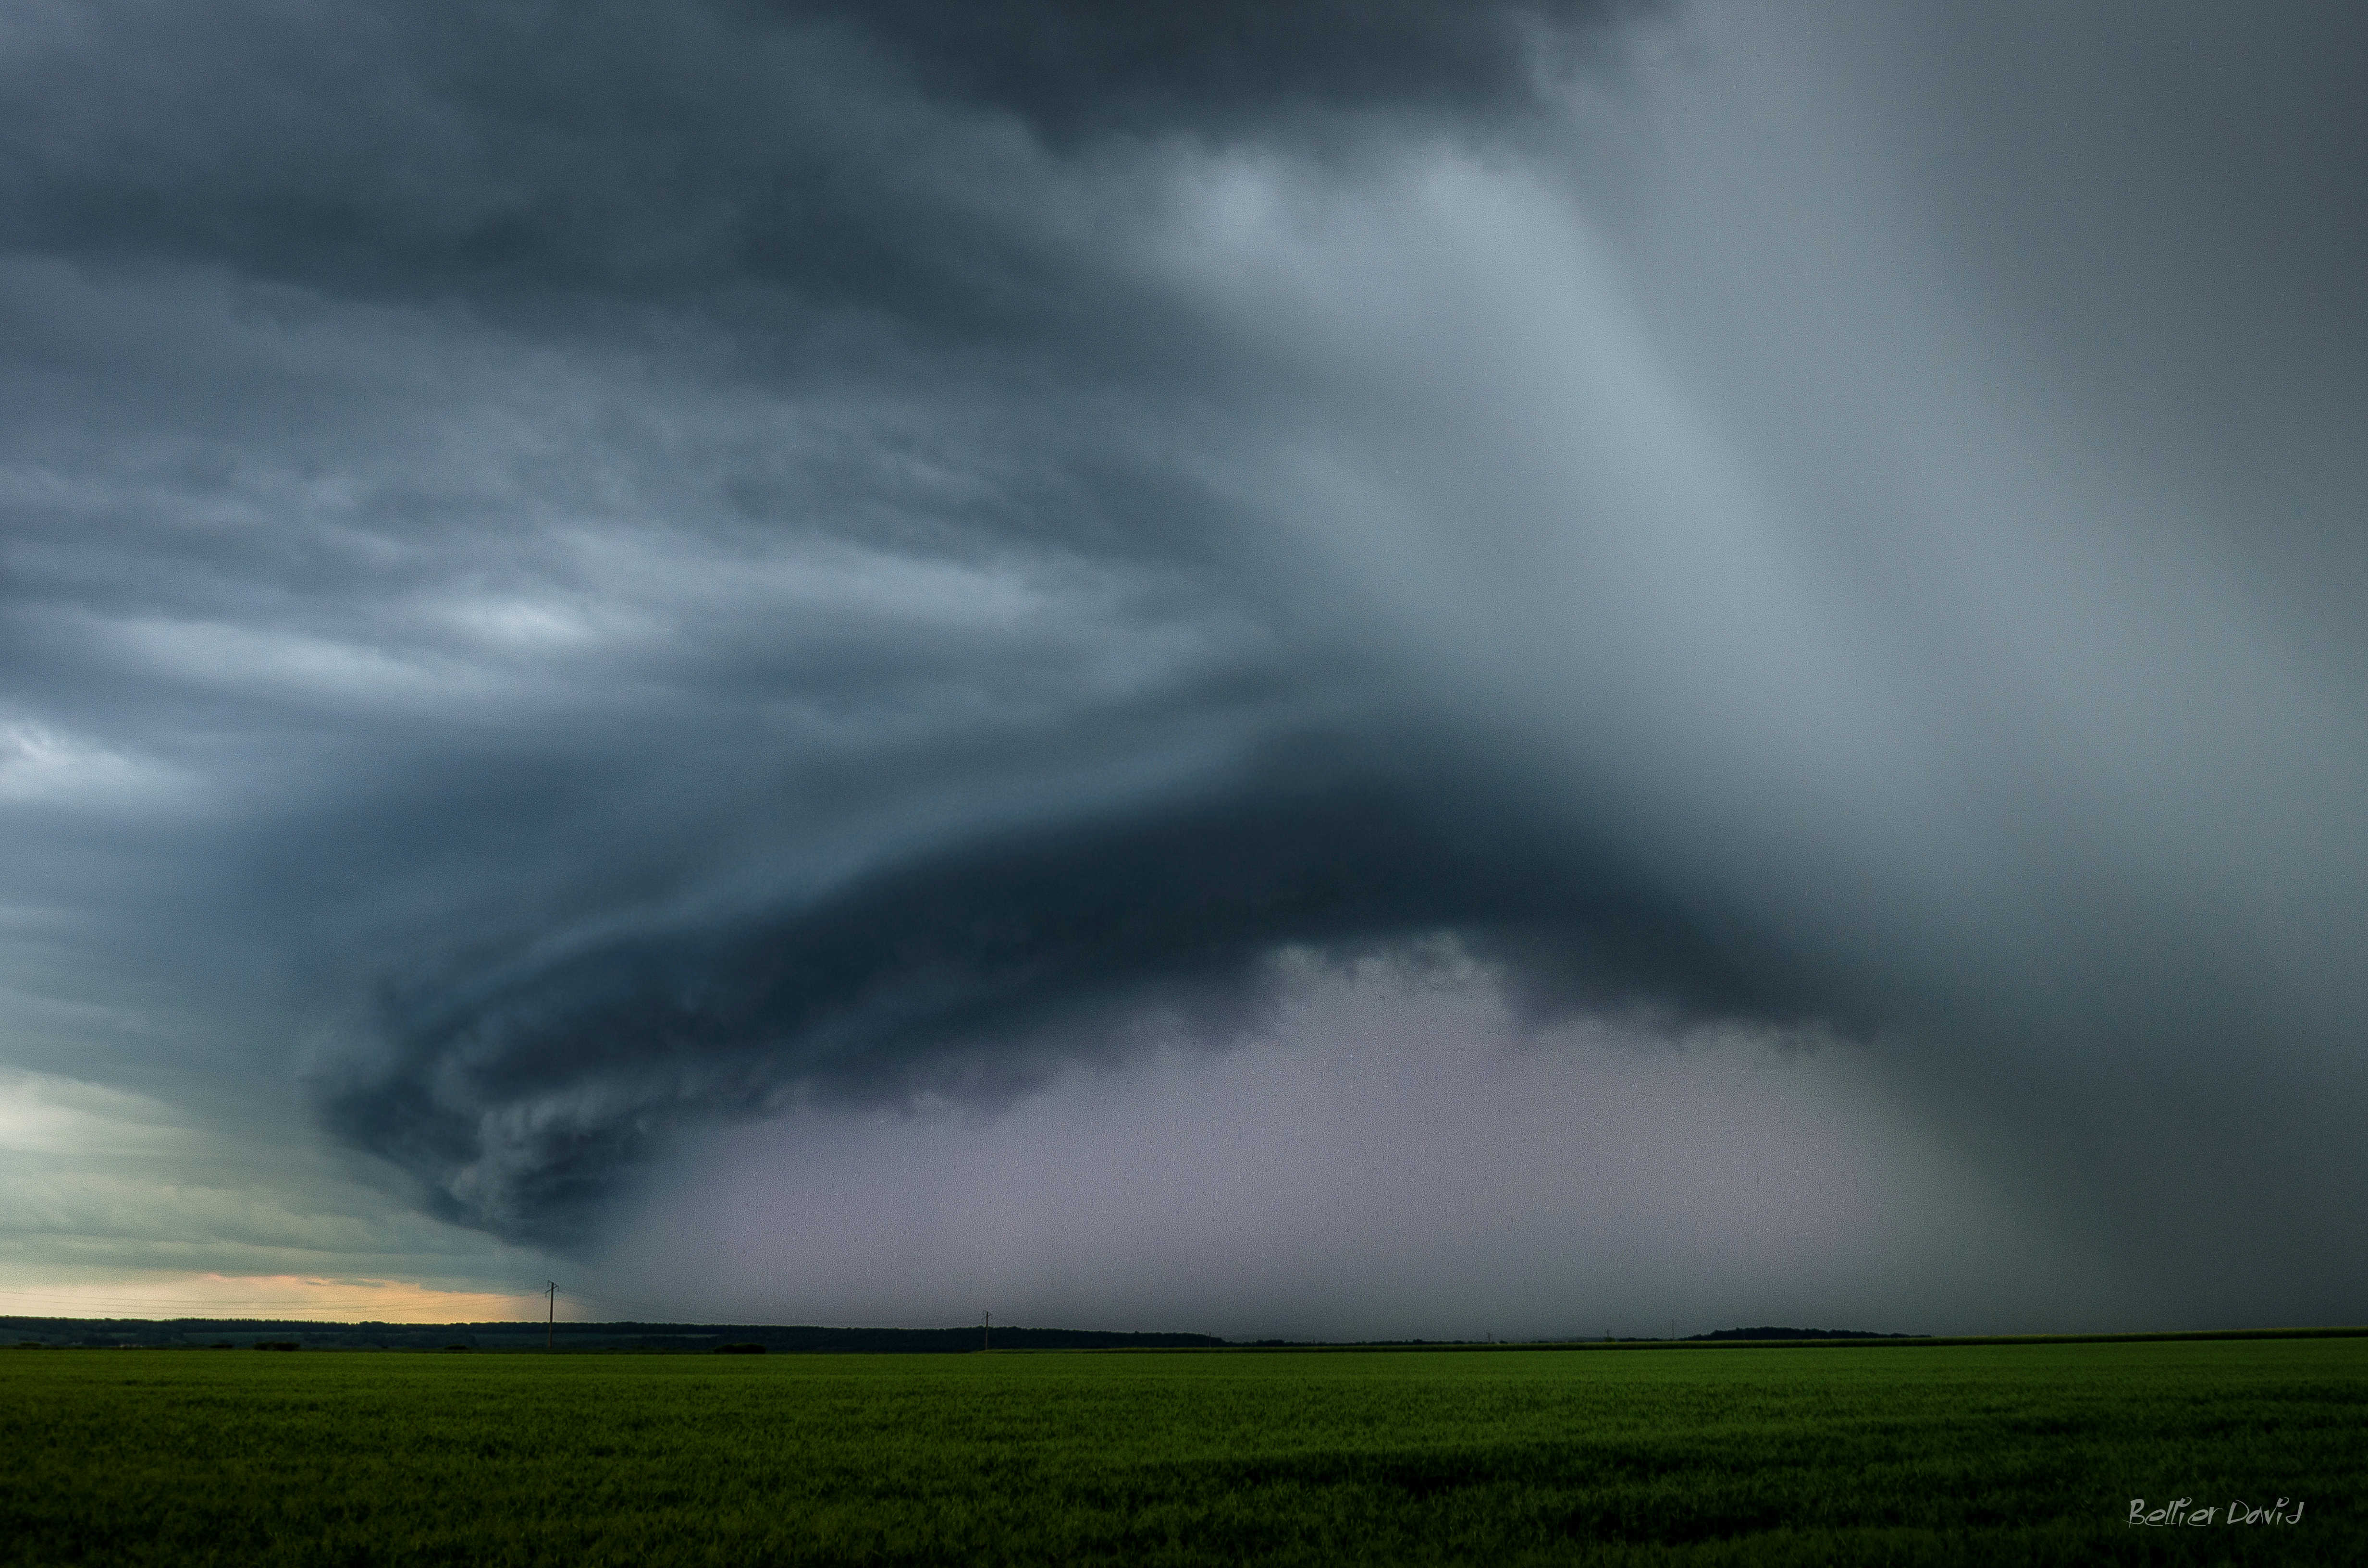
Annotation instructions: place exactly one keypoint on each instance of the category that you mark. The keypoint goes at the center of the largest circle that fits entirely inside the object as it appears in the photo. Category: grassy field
(1957, 1454)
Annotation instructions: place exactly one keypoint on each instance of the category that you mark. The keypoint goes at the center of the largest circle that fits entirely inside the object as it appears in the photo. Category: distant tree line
(276, 1333)
(1798, 1334)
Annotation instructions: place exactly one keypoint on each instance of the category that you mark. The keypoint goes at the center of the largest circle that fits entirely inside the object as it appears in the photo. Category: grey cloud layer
(942, 969)
(552, 159)
(602, 569)
(525, 477)
(1079, 67)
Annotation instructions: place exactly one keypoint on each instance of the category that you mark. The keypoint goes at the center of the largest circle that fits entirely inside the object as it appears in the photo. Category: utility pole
(986, 1332)
(551, 1326)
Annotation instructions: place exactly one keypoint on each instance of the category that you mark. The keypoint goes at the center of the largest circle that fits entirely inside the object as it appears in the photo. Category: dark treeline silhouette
(240, 1333)
(276, 1333)
(1798, 1334)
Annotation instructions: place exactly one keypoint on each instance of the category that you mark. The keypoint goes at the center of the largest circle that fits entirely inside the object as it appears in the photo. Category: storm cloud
(580, 576)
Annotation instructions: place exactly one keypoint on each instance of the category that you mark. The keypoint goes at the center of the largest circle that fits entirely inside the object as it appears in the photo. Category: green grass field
(1982, 1454)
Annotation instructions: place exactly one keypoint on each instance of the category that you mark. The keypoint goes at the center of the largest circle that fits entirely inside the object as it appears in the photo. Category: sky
(1527, 667)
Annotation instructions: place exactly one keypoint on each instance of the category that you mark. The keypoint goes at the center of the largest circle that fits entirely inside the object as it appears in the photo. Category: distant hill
(240, 1333)
(1799, 1334)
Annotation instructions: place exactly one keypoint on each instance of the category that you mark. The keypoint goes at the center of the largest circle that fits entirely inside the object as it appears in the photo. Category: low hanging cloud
(632, 569)
(533, 1089)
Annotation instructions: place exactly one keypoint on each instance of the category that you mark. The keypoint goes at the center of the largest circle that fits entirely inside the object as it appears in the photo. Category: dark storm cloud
(1080, 66)
(538, 158)
(546, 453)
(940, 970)
(589, 570)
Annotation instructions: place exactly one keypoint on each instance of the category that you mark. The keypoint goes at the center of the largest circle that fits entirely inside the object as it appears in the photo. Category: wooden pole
(550, 1326)
(986, 1332)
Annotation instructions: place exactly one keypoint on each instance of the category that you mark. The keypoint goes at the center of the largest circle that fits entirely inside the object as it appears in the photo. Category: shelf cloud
(573, 577)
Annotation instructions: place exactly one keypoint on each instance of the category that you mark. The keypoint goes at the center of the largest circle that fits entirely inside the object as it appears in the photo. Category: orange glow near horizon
(318, 1298)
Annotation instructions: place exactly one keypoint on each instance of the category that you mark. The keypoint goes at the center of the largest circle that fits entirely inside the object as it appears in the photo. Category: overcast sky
(1527, 667)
